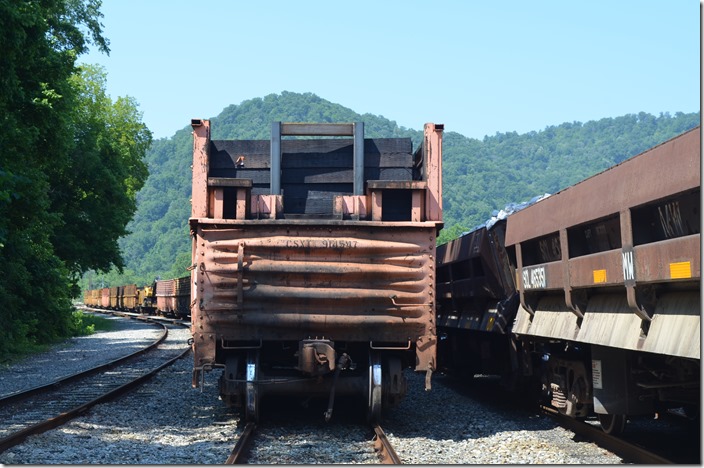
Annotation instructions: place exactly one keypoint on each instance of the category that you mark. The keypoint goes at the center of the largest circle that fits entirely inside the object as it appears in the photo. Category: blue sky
(479, 67)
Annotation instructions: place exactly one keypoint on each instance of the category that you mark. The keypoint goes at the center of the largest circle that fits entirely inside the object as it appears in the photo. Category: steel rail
(51, 423)
(20, 436)
(22, 394)
(629, 452)
(238, 456)
(383, 447)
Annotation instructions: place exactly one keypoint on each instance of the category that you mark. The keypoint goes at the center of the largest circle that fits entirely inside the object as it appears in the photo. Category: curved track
(24, 394)
(48, 406)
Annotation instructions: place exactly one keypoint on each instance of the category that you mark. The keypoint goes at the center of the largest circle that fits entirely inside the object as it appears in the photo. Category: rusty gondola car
(607, 275)
(313, 263)
(173, 297)
(128, 297)
(611, 266)
(91, 298)
(477, 303)
(105, 298)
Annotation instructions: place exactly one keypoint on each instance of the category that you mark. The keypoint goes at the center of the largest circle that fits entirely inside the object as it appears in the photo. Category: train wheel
(230, 392)
(613, 424)
(394, 382)
(375, 388)
(252, 387)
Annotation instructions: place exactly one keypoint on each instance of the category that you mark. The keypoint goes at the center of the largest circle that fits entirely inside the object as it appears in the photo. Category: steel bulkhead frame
(355, 130)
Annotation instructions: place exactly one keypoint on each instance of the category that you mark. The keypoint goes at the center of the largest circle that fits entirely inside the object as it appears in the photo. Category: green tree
(60, 141)
(95, 189)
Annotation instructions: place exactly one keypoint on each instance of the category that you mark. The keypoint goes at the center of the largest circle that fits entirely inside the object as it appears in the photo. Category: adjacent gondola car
(611, 268)
(608, 277)
(477, 303)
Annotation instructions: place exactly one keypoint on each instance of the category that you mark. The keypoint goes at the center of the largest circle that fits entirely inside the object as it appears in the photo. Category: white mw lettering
(629, 273)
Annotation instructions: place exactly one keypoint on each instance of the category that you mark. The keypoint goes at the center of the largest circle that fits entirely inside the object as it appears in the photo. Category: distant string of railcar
(170, 298)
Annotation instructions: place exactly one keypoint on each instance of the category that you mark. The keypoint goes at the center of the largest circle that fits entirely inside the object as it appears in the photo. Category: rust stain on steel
(582, 269)
(199, 189)
(300, 280)
(166, 295)
(172, 293)
(652, 262)
(113, 297)
(433, 169)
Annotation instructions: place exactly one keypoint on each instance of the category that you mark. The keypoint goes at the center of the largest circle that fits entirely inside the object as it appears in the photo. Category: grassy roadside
(87, 324)
(81, 324)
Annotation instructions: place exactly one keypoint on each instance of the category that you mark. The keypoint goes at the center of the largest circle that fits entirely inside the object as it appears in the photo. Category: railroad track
(45, 407)
(239, 454)
(629, 452)
(382, 446)
(134, 315)
(24, 394)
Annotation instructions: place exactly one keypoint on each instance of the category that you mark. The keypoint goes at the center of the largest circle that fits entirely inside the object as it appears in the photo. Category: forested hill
(479, 176)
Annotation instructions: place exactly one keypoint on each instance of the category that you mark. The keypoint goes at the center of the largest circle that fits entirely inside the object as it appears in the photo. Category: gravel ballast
(168, 422)
(78, 354)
